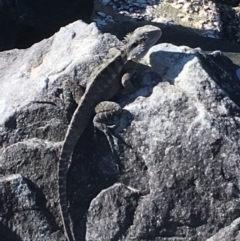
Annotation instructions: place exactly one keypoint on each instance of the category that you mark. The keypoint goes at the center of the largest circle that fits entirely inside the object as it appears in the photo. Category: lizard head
(141, 40)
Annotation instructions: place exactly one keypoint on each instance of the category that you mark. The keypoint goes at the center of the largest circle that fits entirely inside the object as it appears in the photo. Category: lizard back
(103, 85)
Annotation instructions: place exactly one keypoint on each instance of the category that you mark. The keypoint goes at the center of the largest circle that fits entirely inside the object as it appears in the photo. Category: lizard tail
(82, 115)
(62, 181)
(74, 131)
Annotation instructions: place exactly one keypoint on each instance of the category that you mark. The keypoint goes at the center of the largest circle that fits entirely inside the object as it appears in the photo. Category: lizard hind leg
(106, 112)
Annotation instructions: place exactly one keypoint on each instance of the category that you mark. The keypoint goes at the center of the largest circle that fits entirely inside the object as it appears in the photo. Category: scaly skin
(103, 85)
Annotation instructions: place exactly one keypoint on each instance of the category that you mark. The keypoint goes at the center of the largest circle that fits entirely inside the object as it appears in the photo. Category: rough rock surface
(212, 18)
(181, 143)
(230, 16)
(230, 232)
(21, 216)
(33, 111)
(175, 173)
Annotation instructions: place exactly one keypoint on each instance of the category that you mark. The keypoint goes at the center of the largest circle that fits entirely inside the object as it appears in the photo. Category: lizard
(103, 84)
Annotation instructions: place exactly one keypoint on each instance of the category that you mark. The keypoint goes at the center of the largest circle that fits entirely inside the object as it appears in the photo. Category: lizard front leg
(107, 111)
(127, 73)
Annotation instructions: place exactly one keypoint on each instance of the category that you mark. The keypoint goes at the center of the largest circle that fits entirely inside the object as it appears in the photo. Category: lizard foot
(106, 113)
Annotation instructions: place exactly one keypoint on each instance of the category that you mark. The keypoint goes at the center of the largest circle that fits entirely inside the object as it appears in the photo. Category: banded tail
(75, 129)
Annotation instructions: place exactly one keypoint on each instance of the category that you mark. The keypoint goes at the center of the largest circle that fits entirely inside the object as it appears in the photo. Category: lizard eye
(133, 45)
(138, 42)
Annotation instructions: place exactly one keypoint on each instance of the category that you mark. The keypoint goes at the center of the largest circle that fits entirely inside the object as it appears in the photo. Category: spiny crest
(127, 38)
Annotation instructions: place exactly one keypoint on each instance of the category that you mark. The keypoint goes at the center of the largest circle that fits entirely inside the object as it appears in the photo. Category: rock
(37, 73)
(230, 232)
(230, 22)
(220, 17)
(20, 212)
(168, 12)
(175, 173)
(113, 217)
(34, 118)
